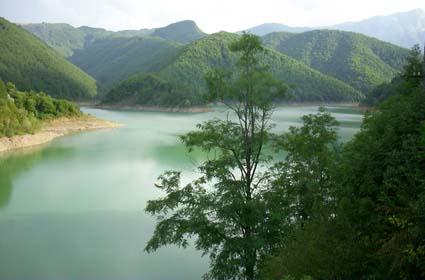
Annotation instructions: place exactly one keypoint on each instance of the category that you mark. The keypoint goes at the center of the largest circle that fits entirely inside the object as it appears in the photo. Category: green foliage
(68, 40)
(414, 68)
(183, 32)
(368, 220)
(307, 169)
(60, 36)
(21, 112)
(32, 65)
(383, 188)
(230, 210)
(15, 121)
(307, 178)
(359, 61)
(410, 80)
(3, 89)
(112, 60)
(186, 72)
(383, 92)
(151, 90)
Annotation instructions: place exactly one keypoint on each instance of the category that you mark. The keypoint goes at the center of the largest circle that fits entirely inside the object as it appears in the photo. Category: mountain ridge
(360, 61)
(67, 39)
(404, 29)
(184, 77)
(31, 64)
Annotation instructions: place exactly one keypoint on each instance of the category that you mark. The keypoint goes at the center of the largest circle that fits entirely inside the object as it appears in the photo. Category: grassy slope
(32, 65)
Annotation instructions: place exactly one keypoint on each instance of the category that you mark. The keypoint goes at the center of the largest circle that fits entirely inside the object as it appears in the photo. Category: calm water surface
(73, 209)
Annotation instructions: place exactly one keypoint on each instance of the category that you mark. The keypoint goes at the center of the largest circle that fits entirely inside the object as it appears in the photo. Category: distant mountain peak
(186, 22)
(184, 31)
(404, 29)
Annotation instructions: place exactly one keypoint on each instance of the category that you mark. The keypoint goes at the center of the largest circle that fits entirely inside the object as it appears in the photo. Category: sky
(210, 15)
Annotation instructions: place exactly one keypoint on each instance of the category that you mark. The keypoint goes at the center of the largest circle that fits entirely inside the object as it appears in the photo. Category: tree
(307, 176)
(231, 210)
(383, 189)
(370, 221)
(307, 169)
(410, 80)
(3, 89)
(413, 70)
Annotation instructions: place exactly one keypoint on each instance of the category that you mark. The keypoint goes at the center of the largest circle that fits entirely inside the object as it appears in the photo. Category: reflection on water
(73, 209)
(12, 164)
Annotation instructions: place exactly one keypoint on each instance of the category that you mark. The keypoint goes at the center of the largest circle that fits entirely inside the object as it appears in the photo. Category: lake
(73, 209)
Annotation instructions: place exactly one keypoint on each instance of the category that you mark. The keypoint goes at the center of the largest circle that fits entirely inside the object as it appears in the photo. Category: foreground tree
(308, 176)
(412, 78)
(230, 210)
(413, 70)
(383, 188)
(374, 227)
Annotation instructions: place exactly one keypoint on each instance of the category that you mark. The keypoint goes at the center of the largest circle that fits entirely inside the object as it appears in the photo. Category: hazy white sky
(210, 15)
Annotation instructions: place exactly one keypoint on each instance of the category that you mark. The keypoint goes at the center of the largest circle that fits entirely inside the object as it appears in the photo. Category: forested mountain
(67, 39)
(175, 58)
(358, 60)
(32, 65)
(61, 36)
(404, 29)
(113, 59)
(183, 32)
(182, 81)
(266, 28)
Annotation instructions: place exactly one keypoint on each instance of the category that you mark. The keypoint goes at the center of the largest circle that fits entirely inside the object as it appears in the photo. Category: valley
(137, 144)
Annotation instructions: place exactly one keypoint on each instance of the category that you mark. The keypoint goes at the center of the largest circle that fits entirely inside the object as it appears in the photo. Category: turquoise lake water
(73, 209)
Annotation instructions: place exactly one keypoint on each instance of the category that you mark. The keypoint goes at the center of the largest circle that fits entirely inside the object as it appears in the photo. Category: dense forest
(113, 60)
(23, 112)
(185, 76)
(326, 211)
(265, 204)
(32, 65)
(412, 70)
(66, 39)
(360, 61)
(318, 65)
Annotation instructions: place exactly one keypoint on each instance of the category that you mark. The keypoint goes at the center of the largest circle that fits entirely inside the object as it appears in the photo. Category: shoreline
(53, 129)
(196, 109)
(207, 108)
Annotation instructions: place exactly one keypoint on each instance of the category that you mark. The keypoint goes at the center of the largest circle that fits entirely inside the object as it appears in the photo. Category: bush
(23, 112)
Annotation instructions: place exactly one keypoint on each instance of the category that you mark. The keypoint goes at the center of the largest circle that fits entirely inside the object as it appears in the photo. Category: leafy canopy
(22, 112)
(230, 210)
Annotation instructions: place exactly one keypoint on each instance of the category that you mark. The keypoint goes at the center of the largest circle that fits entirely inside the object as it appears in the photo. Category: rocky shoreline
(54, 129)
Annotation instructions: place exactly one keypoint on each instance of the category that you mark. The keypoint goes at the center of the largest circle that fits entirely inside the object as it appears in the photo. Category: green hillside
(115, 59)
(182, 32)
(182, 81)
(32, 65)
(62, 37)
(67, 39)
(22, 112)
(358, 60)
